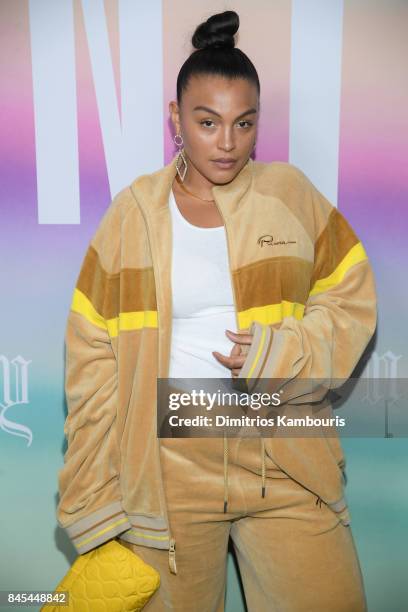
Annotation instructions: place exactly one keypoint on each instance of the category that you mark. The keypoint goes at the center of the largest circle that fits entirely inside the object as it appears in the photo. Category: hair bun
(217, 32)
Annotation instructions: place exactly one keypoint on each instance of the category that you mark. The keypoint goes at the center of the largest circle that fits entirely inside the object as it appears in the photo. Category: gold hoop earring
(181, 159)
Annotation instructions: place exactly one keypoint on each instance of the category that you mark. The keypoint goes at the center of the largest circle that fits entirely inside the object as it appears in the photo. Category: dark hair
(216, 53)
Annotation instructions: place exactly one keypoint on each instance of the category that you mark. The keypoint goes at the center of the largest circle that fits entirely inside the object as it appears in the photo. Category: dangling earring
(181, 157)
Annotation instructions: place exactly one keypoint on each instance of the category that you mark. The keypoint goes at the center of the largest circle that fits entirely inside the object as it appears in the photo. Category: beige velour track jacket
(302, 284)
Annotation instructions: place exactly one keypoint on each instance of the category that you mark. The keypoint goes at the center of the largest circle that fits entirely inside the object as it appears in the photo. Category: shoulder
(105, 242)
(118, 207)
(284, 177)
(283, 181)
(317, 214)
(290, 184)
(284, 171)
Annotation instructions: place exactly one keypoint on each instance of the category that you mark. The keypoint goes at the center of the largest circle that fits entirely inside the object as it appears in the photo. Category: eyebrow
(250, 111)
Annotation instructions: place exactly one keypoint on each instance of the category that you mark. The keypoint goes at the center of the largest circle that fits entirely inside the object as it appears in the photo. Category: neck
(187, 191)
(197, 183)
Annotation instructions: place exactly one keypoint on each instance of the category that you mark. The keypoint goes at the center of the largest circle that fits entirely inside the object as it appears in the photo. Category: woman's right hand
(238, 354)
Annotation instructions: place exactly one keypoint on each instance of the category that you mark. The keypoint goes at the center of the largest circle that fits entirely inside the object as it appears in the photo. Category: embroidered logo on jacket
(268, 239)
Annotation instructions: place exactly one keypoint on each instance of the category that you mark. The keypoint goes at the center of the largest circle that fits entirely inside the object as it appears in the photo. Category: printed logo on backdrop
(381, 376)
(14, 392)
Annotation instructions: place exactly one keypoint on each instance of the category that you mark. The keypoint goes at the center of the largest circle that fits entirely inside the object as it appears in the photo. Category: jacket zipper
(172, 540)
(172, 544)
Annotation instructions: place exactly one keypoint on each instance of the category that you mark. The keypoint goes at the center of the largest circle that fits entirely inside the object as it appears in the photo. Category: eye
(248, 123)
(205, 122)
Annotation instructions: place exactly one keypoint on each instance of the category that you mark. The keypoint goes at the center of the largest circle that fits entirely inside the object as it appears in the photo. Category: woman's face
(217, 119)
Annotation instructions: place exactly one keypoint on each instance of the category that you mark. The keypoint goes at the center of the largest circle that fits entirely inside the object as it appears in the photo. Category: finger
(236, 350)
(230, 362)
(221, 358)
(242, 338)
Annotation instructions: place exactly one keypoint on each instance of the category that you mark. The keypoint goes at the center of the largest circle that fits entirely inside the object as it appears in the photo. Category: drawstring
(225, 472)
(263, 466)
(263, 470)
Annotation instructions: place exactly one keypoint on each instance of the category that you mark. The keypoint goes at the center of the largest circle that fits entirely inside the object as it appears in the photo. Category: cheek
(195, 132)
(199, 140)
(203, 135)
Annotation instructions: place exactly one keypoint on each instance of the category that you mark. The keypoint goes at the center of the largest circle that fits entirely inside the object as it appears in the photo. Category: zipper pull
(172, 556)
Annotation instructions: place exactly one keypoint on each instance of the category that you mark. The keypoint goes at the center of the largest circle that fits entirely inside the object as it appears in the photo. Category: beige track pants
(294, 555)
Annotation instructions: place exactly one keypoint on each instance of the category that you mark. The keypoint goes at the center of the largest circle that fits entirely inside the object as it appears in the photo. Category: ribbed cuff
(98, 527)
(258, 351)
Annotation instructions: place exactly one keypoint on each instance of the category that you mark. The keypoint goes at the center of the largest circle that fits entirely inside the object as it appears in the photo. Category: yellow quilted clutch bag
(110, 578)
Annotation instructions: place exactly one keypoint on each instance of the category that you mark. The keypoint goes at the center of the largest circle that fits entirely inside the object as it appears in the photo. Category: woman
(216, 266)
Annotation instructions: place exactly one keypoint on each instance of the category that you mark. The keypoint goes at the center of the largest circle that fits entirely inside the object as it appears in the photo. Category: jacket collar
(152, 190)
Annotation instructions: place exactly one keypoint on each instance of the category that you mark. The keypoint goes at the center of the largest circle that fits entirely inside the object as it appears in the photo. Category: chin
(222, 177)
(224, 180)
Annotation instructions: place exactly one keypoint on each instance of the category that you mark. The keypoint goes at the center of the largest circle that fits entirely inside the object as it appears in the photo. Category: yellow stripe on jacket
(356, 254)
(125, 321)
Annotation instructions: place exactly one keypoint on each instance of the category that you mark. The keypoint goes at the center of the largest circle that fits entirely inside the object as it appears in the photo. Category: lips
(225, 159)
(224, 162)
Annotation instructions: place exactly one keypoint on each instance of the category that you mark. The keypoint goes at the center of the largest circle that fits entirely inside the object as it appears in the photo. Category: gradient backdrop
(85, 87)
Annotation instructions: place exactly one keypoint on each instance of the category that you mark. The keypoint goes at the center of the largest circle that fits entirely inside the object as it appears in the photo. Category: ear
(174, 111)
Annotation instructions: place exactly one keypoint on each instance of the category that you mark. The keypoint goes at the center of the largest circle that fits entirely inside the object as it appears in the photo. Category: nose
(226, 141)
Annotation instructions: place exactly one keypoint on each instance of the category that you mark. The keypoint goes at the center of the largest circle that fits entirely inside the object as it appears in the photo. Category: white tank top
(203, 302)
